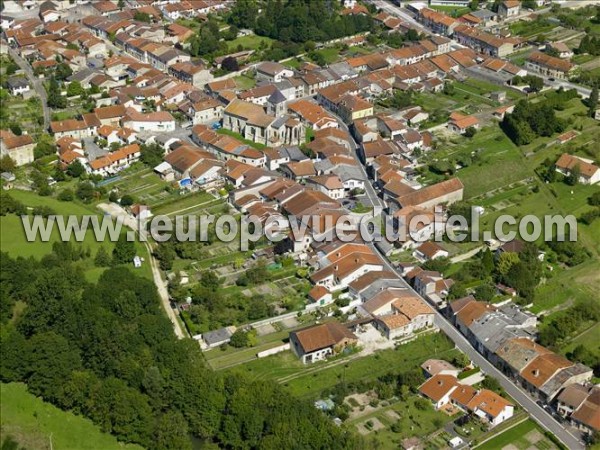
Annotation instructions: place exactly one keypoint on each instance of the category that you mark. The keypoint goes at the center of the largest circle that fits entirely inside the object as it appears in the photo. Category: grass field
(309, 380)
(454, 11)
(13, 239)
(251, 42)
(244, 82)
(36, 424)
(520, 437)
(241, 138)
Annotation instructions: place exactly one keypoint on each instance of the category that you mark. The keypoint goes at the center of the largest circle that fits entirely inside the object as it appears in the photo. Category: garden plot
(370, 425)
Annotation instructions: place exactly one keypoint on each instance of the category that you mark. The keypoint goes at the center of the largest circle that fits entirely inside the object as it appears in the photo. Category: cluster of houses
(505, 335)
(444, 390)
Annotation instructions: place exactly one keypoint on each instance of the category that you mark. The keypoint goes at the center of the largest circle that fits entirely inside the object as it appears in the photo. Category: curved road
(36, 83)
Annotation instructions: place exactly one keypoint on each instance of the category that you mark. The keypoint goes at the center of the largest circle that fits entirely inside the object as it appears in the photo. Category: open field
(250, 42)
(13, 239)
(34, 423)
(309, 380)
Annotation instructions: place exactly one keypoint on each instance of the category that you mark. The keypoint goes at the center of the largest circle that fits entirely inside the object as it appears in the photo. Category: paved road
(374, 199)
(517, 393)
(400, 13)
(35, 82)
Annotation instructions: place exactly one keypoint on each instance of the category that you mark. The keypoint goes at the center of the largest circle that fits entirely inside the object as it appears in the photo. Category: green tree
(505, 262)
(75, 169)
(124, 250)
(102, 258)
(62, 71)
(66, 195)
(85, 191)
(151, 154)
(593, 101)
(74, 89)
(127, 200)
(7, 164)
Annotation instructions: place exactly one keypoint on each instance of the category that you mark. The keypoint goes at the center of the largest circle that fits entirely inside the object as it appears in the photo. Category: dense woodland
(107, 352)
(297, 21)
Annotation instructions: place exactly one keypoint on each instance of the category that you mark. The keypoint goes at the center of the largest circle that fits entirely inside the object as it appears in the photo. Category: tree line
(105, 350)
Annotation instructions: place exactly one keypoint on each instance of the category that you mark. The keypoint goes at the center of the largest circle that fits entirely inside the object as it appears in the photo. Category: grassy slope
(32, 422)
(14, 242)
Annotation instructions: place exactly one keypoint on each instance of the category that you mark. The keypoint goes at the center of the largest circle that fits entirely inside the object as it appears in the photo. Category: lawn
(519, 437)
(244, 82)
(184, 203)
(14, 241)
(454, 11)
(330, 54)
(496, 154)
(309, 380)
(37, 424)
(241, 138)
(250, 42)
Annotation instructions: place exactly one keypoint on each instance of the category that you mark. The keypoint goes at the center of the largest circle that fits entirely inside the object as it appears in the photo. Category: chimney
(536, 373)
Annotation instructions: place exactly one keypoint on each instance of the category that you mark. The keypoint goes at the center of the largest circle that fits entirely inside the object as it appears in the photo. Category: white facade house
(154, 121)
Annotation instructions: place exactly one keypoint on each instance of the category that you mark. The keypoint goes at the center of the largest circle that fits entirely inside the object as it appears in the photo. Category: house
(19, 148)
(212, 339)
(18, 86)
(561, 49)
(438, 389)
(318, 342)
(353, 107)
(448, 192)
(273, 71)
(589, 173)
(428, 251)
(490, 407)
(312, 114)
(208, 110)
(331, 185)
(319, 296)
(407, 314)
(509, 8)
(439, 22)
(82, 128)
(483, 42)
(433, 367)
(372, 283)
(339, 274)
(298, 170)
(110, 115)
(158, 121)
(549, 66)
(460, 123)
(140, 212)
(571, 398)
(587, 415)
(549, 373)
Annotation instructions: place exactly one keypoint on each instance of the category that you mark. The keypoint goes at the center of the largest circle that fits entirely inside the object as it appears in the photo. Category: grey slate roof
(213, 337)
